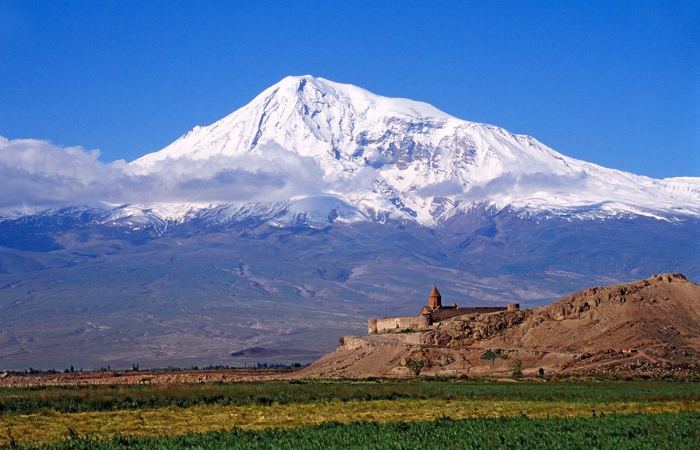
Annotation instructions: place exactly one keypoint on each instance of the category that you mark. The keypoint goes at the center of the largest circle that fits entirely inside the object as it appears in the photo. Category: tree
(516, 368)
(489, 355)
(492, 355)
(415, 365)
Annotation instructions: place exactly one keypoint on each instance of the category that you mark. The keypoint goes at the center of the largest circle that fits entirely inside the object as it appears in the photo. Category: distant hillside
(648, 328)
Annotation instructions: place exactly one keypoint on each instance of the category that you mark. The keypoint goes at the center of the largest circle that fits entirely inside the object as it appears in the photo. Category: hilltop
(647, 328)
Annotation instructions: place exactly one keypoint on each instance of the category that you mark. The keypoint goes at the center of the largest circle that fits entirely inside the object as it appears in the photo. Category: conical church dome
(435, 299)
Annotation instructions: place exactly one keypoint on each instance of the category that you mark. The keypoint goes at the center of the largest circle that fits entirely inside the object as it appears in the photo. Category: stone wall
(389, 324)
(422, 322)
(353, 342)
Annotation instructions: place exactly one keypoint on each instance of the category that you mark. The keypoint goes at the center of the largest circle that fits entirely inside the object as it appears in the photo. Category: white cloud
(524, 185)
(39, 173)
(441, 189)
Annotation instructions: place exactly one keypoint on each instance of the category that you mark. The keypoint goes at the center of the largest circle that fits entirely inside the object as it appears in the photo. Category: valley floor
(378, 414)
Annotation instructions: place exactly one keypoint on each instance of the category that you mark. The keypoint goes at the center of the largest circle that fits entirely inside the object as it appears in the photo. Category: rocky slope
(649, 328)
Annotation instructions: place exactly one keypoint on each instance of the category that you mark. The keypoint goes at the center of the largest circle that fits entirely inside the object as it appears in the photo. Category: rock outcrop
(645, 328)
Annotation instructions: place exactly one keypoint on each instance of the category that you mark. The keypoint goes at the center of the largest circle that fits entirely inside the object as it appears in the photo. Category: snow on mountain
(318, 212)
(357, 156)
(402, 159)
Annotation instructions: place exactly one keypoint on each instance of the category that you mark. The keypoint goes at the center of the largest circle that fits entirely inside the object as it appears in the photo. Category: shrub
(516, 368)
(415, 365)
(492, 355)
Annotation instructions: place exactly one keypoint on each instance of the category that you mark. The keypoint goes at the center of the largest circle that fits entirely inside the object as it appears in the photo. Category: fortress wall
(393, 324)
(353, 342)
(388, 324)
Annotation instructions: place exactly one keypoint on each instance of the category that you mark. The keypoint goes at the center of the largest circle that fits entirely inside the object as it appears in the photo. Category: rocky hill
(645, 328)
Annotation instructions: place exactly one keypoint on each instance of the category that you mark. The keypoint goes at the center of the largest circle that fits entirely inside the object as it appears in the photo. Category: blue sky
(616, 83)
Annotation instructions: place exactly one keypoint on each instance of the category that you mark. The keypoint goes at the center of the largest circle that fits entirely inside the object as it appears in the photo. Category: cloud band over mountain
(37, 173)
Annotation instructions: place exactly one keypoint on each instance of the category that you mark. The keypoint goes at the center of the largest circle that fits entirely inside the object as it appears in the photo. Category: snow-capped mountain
(298, 216)
(384, 158)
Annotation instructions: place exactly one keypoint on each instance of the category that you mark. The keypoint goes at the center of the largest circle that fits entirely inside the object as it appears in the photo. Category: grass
(50, 415)
(678, 431)
(120, 397)
(51, 426)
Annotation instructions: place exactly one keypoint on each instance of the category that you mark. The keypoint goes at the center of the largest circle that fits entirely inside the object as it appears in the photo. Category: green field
(117, 397)
(677, 431)
(390, 414)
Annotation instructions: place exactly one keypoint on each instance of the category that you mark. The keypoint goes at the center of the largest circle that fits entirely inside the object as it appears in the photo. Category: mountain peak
(298, 113)
(293, 85)
(308, 87)
(406, 159)
(296, 80)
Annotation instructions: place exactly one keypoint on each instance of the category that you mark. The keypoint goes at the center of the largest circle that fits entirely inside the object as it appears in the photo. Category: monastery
(433, 313)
